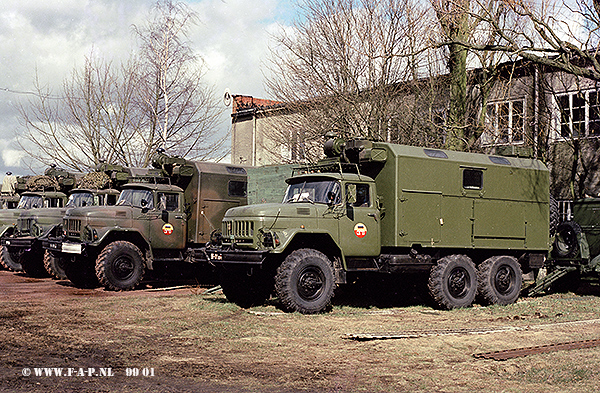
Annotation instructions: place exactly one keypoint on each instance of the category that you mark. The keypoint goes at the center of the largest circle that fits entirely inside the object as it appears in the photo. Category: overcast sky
(50, 38)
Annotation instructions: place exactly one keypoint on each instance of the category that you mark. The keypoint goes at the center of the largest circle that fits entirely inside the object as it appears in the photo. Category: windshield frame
(27, 202)
(76, 199)
(126, 198)
(314, 191)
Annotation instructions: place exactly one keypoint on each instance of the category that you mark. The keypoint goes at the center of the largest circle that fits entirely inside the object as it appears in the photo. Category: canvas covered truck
(157, 221)
(472, 222)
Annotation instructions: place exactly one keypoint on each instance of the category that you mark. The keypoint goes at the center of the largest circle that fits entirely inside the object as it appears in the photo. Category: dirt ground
(177, 337)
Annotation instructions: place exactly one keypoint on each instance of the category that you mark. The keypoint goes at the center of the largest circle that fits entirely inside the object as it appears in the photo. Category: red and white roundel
(167, 229)
(360, 230)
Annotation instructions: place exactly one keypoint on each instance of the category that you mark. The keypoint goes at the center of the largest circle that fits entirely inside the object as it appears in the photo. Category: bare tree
(92, 120)
(181, 110)
(343, 67)
(122, 114)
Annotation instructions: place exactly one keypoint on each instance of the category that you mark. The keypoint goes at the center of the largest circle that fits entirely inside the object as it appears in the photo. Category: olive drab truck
(575, 254)
(472, 222)
(36, 192)
(24, 241)
(163, 219)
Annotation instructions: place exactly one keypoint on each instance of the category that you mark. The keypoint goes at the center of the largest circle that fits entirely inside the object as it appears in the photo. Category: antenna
(227, 97)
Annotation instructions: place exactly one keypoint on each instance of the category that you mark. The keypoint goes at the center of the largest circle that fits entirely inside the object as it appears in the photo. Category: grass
(205, 338)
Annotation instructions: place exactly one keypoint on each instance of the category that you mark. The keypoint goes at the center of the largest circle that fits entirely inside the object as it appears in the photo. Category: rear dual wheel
(453, 282)
(499, 280)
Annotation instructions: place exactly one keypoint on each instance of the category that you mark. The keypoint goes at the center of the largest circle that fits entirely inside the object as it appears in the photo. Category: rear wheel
(453, 282)
(566, 240)
(305, 281)
(10, 260)
(499, 280)
(120, 266)
(54, 265)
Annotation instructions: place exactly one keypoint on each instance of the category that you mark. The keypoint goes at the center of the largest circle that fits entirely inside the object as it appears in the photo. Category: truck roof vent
(236, 170)
(435, 153)
(499, 160)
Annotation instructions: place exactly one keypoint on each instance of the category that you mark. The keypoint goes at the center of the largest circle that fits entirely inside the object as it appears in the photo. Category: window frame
(492, 122)
(588, 115)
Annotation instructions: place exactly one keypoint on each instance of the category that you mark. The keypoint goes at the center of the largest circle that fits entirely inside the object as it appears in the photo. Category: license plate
(71, 248)
(216, 257)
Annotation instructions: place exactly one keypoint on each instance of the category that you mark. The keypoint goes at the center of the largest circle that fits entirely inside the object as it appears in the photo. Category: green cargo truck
(472, 222)
(158, 220)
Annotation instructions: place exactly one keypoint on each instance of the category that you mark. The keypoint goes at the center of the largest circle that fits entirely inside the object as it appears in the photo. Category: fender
(295, 235)
(129, 234)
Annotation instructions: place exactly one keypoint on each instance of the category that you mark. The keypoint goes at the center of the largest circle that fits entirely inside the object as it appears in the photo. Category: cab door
(359, 228)
(167, 221)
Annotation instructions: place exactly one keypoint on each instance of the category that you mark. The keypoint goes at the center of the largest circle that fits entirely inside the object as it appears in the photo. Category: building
(528, 109)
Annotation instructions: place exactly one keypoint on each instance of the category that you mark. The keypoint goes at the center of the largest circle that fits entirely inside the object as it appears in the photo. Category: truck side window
(168, 202)
(362, 195)
(473, 179)
(237, 188)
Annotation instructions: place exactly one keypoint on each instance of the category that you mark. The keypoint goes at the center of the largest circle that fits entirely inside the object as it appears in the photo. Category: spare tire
(566, 240)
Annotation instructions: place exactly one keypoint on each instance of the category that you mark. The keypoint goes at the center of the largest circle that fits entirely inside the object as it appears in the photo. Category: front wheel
(120, 266)
(54, 265)
(453, 282)
(9, 260)
(305, 281)
(499, 280)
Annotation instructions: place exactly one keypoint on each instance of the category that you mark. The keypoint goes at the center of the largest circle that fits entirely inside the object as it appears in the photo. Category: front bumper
(240, 257)
(25, 242)
(58, 245)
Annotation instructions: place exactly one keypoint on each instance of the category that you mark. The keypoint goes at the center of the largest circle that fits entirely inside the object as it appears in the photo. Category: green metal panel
(421, 215)
(266, 184)
(586, 213)
(425, 200)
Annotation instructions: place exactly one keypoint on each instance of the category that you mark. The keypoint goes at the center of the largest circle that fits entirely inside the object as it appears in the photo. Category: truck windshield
(80, 199)
(317, 191)
(30, 202)
(136, 198)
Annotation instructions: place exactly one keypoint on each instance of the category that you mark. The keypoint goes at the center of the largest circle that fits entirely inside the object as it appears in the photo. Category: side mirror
(351, 193)
(165, 216)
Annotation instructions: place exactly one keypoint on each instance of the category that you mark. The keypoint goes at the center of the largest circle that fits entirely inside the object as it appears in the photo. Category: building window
(579, 114)
(505, 122)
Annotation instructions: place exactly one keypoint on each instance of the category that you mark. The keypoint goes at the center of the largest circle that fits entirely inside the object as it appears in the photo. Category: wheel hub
(458, 282)
(503, 279)
(310, 283)
(123, 268)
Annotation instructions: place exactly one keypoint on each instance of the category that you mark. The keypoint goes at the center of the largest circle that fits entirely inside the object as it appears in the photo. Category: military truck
(471, 222)
(575, 254)
(23, 241)
(43, 191)
(157, 221)
(9, 198)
